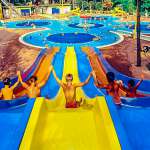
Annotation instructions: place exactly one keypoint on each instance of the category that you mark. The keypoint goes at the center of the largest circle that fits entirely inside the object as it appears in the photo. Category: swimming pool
(28, 24)
(72, 32)
(99, 31)
(130, 27)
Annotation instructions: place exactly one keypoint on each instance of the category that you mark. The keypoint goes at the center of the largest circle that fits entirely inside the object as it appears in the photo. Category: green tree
(92, 5)
(79, 3)
(131, 6)
(145, 6)
(85, 5)
(99, 6)
(127, 5)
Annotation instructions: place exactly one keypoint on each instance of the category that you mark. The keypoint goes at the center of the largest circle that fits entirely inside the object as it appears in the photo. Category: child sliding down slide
(33, 88)
(70, 89)
(6, 93)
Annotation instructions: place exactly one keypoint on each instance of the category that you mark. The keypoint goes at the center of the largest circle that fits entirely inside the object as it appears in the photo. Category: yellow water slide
(53, 127)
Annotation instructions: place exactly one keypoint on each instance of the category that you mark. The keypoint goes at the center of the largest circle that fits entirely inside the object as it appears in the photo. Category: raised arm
(20, 79)
(1, 94)
(138, 84)
(85, 82)
(45, 78)
(100, 85)
(56, 78)
(15, 85)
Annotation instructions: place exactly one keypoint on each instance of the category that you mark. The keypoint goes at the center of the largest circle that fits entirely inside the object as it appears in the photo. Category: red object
(71, 104)
(85, 17)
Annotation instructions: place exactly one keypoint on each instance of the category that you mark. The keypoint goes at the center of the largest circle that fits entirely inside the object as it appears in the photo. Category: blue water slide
(14, 116)
(143, 88)
(51, 88)
(136, 122)
(120, 130)
(136, 102)
(84, 70)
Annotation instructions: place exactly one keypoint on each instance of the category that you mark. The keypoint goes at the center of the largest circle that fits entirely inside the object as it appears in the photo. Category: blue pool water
(55, 28)
(63, 33)
(1, 24)
(31, 23)
(91, 25)
(143, 27)
(71, 38)
(130, 26)
(99, 18)
(28, 24)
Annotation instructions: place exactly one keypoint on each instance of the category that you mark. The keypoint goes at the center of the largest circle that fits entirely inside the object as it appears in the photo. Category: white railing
(10, 6)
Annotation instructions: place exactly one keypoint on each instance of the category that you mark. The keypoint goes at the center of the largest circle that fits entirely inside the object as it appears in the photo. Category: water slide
(14, 116)
(39, 70)
(102, 66)
(51, 126)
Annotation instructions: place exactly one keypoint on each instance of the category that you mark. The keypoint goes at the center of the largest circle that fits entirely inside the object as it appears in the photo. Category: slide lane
(13, 121)
(51, 88)
(84, 70)
(51, 126)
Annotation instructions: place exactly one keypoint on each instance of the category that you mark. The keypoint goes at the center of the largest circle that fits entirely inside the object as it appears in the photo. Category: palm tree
(138, 31)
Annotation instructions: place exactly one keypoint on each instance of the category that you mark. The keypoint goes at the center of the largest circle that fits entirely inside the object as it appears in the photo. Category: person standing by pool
(33, 88)
(7, 92)
(70, 89)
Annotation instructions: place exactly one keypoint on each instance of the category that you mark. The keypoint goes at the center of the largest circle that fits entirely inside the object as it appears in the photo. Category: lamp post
(138, 32)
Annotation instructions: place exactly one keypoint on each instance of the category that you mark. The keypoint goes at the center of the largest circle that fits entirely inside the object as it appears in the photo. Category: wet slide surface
(51, 126)
(13, 119)
(136, 123)
(9, 121)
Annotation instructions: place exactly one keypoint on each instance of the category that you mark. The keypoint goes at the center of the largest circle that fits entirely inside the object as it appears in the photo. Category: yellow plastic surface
(53, 127)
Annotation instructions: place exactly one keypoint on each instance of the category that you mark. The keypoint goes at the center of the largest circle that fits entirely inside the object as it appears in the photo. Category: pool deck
(122, 57)
(14, 55)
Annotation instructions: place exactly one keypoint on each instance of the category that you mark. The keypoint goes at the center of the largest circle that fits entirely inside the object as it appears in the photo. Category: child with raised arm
(132, 88)
(6, 93)
(33, 88)
(70, 89)
(112, 87)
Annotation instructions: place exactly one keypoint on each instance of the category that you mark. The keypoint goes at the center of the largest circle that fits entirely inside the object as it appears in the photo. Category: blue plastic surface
(50, 89)
(84, 70)
(122, 136)
(136, 122)
(13, 120)
(137, 102)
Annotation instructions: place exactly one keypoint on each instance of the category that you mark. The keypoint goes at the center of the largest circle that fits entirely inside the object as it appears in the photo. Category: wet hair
(33, 77)
(7, 81)
(131, 82)
(70, 76)
(110, 76)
